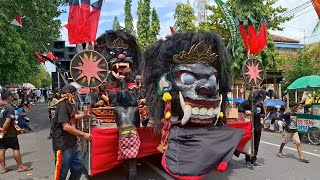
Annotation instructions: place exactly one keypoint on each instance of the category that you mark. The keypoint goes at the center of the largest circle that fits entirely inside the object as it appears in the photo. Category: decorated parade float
(185, 105)
(170, 100)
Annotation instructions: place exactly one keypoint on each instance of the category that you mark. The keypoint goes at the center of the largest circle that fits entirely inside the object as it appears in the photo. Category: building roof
(277, 38)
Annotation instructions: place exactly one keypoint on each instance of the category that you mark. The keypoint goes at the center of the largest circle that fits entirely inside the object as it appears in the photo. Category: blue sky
(299, 28)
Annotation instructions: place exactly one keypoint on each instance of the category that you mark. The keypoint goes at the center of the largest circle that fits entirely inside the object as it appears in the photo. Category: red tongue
(121, 68)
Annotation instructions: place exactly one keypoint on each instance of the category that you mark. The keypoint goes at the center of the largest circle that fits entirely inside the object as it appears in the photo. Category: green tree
(155, 26)
(41, 26)
(128, 20)
(303, 65)
(43, 78)
(116, 24)
(143, 24)
(184, 17)
(256, 9)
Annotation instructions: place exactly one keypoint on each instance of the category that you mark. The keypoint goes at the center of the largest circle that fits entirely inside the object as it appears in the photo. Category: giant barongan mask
(187, 77)
(121, 50)
(194, 68)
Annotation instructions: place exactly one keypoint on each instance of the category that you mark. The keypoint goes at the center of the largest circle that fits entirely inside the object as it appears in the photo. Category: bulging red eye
(187, 78)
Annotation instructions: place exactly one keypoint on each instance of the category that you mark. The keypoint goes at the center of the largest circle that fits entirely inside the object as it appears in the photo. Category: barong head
(195, 68)
(121, 50)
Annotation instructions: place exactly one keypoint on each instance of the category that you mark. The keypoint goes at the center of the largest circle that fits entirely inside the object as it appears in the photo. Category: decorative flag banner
(75, 20)
(46, 56)
(90, 27)
(82, 24)
(17, 21)
(254, 43)
(231, 25)
(172, 30)
(40, 58)
(316, 5)
(85, 8)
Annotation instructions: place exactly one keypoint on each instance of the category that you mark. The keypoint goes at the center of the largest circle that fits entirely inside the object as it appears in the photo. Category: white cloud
(300, 27)
(134, 24)
(103, 21)
(115, 12)
(169, 15)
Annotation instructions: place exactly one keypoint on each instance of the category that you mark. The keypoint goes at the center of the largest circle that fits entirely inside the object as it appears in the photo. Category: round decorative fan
(89, 68)
(253, 72)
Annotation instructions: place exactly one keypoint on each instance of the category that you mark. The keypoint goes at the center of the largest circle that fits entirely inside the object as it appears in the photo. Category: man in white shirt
(38, 94)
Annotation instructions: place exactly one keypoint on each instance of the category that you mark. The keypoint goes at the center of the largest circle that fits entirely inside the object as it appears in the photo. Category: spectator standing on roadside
(53, 100)
(38, 93)
(8, 136)
(291, 132)
(45, 95)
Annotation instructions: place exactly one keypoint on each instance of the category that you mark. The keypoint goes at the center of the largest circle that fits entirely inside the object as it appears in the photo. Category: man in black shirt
(8, 133)
(290, 133)
(246, 107)
(64, 138)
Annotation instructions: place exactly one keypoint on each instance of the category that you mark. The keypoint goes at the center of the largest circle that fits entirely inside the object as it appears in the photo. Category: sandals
(26, 169)
(7, 170)
(280, 155)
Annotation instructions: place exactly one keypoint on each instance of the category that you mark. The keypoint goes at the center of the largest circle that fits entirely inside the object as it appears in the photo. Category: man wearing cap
(64, 137)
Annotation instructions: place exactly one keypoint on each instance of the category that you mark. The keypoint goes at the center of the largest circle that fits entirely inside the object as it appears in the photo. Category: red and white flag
(17, 21)
(91, 24)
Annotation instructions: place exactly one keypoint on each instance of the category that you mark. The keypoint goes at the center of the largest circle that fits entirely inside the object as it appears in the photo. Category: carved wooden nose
(121, 56)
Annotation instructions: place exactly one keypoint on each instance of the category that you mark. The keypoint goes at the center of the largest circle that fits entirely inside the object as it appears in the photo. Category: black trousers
(257, 137)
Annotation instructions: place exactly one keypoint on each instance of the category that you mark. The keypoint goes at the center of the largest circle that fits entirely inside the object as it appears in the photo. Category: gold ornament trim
(118, 43)
(198, 53)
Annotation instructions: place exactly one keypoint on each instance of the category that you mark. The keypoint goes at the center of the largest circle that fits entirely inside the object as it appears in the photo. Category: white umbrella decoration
(28, 86)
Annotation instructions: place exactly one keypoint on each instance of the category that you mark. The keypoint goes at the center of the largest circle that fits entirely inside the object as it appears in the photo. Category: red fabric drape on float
(105, 147)
(246, 126)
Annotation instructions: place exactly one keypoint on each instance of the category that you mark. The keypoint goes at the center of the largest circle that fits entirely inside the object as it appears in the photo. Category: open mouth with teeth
(118, 68)
(201, 112)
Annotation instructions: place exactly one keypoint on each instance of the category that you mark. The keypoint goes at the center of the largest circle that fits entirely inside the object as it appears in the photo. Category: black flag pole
(253, 74)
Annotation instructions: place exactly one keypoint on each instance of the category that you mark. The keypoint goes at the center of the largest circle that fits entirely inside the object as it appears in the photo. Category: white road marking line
(306, 152)
(159, 171)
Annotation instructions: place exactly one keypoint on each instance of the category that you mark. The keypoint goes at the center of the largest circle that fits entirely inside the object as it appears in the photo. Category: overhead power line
(297, 9)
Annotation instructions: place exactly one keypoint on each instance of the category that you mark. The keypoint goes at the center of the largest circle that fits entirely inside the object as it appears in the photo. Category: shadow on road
(22, 154)
(15, 167)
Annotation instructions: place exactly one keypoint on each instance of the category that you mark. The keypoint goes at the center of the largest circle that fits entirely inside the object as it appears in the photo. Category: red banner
(316, 5)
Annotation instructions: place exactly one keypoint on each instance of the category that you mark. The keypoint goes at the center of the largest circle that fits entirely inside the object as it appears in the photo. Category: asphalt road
(37, 152)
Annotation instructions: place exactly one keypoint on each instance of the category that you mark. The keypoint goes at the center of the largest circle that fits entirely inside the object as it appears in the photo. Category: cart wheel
(314, 135)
